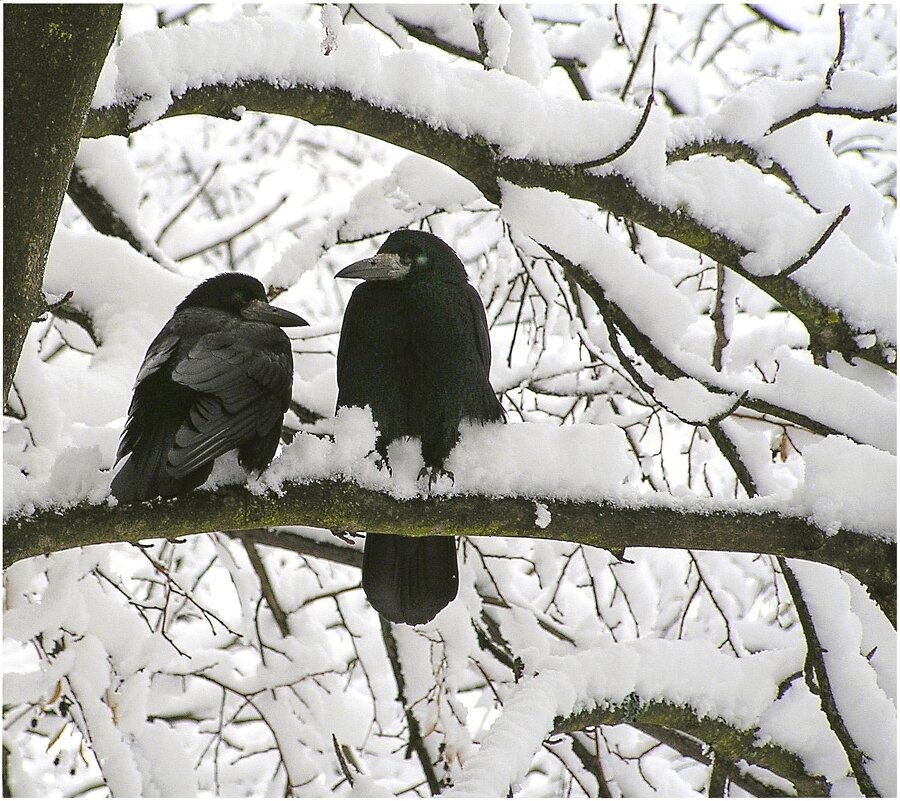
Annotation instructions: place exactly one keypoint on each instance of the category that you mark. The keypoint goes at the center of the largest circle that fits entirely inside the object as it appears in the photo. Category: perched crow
(414, 348)
(217, 377)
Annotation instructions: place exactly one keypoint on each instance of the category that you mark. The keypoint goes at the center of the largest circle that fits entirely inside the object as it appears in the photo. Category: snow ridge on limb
(473, 122)
(562, 693)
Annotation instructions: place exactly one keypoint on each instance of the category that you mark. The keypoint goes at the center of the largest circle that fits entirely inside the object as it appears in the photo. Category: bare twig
(806, 257)
(842, 42)
(416, 743)
(625, 146)
(640, 53)
(265, 584)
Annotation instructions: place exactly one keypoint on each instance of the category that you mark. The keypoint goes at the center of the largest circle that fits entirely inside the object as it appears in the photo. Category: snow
(861, 703)
(655, 670)
(646, 297)
(247, 711)
(586, 42)
(689, 400)
(845, 481)
(849, 88)
(154, 67)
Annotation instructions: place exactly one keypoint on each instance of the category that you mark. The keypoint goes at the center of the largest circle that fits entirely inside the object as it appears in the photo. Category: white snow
(655, 670)
(155, 67)
(845, 481)
(861, 703)
(248, 711)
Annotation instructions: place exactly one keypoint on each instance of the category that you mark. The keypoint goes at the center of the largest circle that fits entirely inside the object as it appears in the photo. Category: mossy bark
(342, 506)
(52, 56)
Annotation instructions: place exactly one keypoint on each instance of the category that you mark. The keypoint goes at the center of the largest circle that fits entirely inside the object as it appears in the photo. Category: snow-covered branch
(636, 683)
(480, 134)
(348, 507)
(692, 319)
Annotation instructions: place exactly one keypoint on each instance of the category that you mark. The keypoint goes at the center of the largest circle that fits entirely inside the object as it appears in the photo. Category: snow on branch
(472, 121)
(344, 506)
(654, 682)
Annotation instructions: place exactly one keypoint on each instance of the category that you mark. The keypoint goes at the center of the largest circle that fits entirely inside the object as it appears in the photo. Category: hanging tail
(409, 579)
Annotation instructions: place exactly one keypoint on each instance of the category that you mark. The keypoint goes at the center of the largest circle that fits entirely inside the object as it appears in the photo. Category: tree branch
(248, 540)
(814, 655)
(476, 159)
(99, 213)
(718, 734)
(416, 743)
(348, 507)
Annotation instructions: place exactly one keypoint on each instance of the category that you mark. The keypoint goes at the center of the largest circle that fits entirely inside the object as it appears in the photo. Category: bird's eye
(421, 260)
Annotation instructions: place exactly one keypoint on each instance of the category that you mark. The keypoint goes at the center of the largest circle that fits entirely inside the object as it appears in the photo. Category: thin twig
(416, 743)
(717, 315)
(806, 257)
(622, 149)
(842, 42)
(265, 584)
(640, 53)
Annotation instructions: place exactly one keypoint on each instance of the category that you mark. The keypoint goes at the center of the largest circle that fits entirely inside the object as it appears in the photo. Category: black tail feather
(409, 579)
(144, 474)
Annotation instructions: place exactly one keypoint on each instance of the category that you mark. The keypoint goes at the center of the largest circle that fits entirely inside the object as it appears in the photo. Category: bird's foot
(381, 463)
(434, 475)
(346, 536)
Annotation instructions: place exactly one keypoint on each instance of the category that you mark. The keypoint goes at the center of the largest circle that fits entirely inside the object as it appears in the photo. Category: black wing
(243, 379)
(158, 354)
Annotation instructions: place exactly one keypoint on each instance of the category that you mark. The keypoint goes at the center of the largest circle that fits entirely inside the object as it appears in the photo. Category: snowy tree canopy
(677, 560)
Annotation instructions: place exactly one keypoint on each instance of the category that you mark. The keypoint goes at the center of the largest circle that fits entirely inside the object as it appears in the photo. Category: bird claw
(346, 536)
(434, 475)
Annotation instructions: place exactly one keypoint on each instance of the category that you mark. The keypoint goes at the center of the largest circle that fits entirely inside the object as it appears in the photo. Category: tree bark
(343, 506)
(52, 58)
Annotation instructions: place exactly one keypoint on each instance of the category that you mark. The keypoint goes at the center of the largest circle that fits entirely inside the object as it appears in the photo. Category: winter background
(213, 665)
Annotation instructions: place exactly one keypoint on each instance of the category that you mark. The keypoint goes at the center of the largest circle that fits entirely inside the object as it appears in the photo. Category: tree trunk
(52, 58)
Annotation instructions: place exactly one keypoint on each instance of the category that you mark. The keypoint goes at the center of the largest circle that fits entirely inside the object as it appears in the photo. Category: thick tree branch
(347, 507)
(699, 751)
(477, 160)
(722, 737)
(99, 213)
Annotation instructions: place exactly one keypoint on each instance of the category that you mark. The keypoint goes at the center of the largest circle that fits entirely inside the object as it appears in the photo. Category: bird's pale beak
(260, 312)
(380, 267)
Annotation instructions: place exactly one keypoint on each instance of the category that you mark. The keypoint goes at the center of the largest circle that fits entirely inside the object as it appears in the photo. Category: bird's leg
(434, 475)
(381, 461)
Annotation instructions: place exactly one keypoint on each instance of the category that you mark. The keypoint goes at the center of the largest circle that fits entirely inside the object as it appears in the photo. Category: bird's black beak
(380, 267)
(260, 312)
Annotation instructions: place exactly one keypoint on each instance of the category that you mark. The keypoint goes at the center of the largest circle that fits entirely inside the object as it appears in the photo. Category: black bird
(217, 377)
(415, 348)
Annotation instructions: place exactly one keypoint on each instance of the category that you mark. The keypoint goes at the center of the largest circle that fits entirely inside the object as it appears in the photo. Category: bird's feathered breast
(418, 353)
